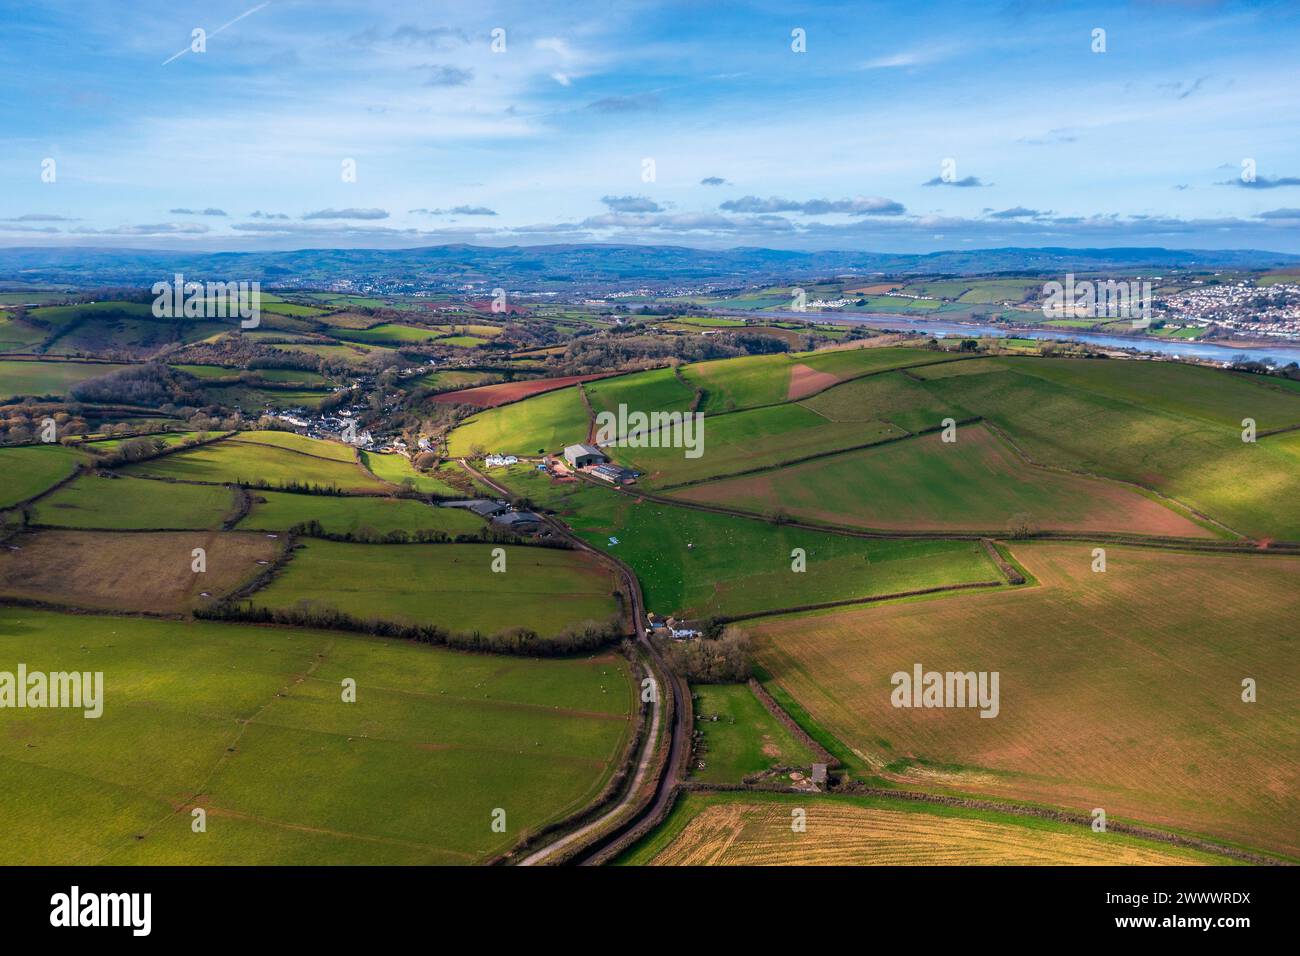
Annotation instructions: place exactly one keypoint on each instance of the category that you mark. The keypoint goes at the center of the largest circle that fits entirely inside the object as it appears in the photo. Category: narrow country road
(667, 783)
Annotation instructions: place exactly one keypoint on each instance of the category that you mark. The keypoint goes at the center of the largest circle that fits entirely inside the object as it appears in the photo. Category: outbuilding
(583, 455)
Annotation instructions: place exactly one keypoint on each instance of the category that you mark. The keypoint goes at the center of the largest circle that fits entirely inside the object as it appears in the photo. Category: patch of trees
(150, 385)
(578, 638)
(718, 658)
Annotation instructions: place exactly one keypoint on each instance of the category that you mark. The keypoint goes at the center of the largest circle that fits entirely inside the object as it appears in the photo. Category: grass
(731, 384)
(244, 462)
(398, 468)
(889, 397)
(749, 439)
(31, 469)
(130, 571)
(977, 483)
(390, 333)
(547, 422)
(1183, 444)
(333, 450)
(700, 564)
(849, 362)
(739, 736)
(279, 511)
(1119, 690)
(19, 378)
(754, 829)
(248, 722)
(451, 585)
(119, 503)
(655, 390)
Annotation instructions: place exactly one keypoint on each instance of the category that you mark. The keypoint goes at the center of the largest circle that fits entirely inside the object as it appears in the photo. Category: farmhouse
(582, 455)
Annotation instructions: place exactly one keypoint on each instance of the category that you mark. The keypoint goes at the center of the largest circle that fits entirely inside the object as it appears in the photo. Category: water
(1277, 354)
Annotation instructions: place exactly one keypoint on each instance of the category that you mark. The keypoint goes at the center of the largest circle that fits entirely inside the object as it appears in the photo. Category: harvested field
(129, 571)
(740, 832)
(490, 396)
(1119, 690)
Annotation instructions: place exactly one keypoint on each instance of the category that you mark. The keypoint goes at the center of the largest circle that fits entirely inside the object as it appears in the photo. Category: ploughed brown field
(1120, 690)
(489, 396)
(130, 571)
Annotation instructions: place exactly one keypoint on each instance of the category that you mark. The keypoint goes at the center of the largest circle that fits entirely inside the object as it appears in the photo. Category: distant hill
(592, 266)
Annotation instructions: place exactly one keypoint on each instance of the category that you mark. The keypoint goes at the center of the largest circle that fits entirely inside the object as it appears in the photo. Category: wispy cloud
(350, 213)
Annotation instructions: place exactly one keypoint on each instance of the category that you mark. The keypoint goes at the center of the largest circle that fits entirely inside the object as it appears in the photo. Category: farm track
(613, 826)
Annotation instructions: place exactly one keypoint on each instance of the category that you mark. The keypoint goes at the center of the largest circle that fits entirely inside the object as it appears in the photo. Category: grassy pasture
(19, 378)
(398, 468)
(714, 829)
(452, 585)
(129, 571)
(731, 384)
(888, 397)
(849, 362)
(977, 483)
(656, 390)
(292, 441)
(103, 445)
(19, 336)
(1119, 690)
(744, 738)
(248, 722)
(1253, 488)
(391, 333)
(750, 439)
(245, 462)
(549, 421)
(742, 565)
(279, 511)
(30, 469)
(120, 503)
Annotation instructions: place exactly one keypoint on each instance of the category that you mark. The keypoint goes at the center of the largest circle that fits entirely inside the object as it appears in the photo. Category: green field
(119, 503)
(18, 378)
(398, 469)
(850, 362)
(451, 585)
(739, 736)
(1174, 428)
(248, 723)
(750, 439)
(333, 450)
(730, 384)
(244, 462)
(889, 397)
(977, 483)
(30, 469)
(279, 511)
(652, 391)
(547, 422)
(701, 564)
(390, 333)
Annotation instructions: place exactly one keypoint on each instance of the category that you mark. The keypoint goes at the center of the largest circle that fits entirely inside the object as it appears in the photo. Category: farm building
(521, 522)
(613, 474)
(480, 506)
(582, 455)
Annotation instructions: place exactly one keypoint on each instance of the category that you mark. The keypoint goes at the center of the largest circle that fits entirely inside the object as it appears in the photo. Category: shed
(582, 455)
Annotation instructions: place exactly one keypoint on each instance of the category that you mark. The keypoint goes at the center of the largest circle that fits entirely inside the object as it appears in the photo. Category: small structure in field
(520, 522)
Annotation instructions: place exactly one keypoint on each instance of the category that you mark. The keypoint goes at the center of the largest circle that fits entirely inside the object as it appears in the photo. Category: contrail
(220, 28)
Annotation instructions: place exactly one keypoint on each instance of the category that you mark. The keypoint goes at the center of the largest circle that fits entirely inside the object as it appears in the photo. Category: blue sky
(843, 146)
